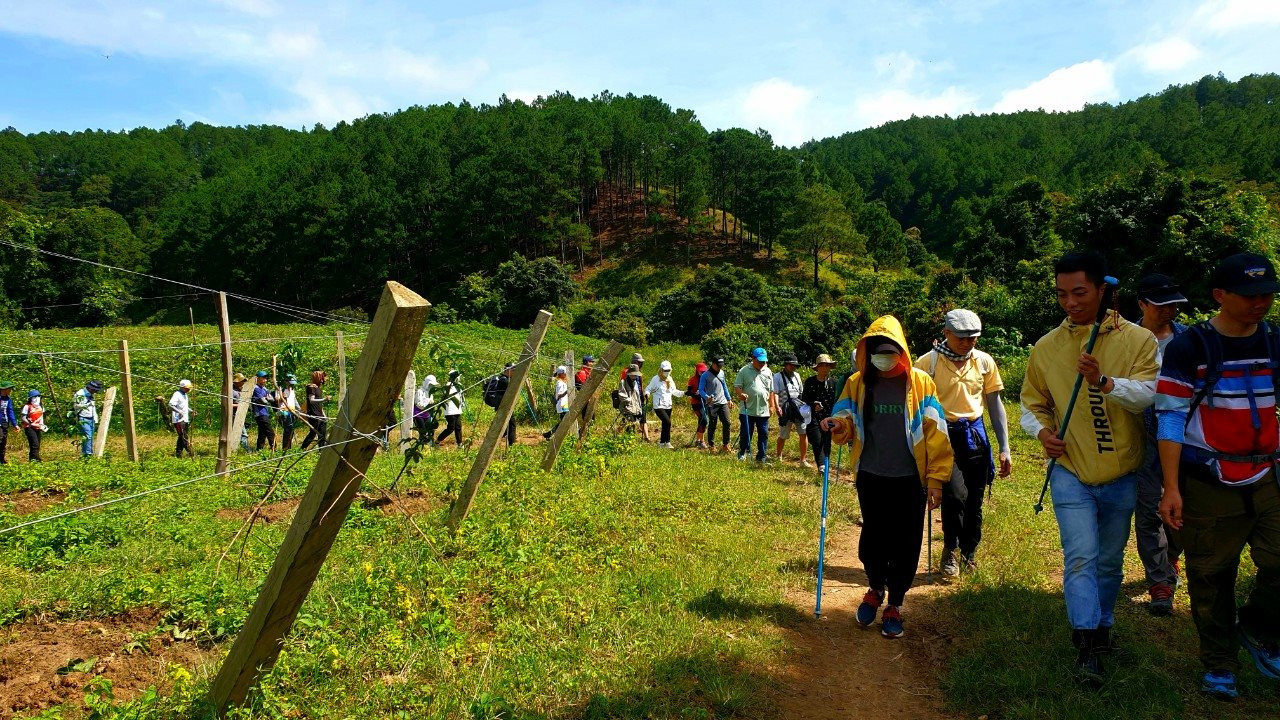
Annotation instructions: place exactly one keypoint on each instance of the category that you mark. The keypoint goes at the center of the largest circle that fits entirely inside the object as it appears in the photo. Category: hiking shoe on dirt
(1266, 656)
(1161, 600)
(891, 622)
(1088, 667)
(949, 566)
(968, 562)
(1104, 642)
(742, 456)
(867, 610)
(1220, 685)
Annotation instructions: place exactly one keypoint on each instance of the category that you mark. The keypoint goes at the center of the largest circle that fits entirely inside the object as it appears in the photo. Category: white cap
(560, 370)
(964, 323)
(186, 384)
(430, 380)
(665, 365)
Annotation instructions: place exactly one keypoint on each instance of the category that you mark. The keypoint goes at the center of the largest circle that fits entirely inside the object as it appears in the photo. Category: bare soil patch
(281, 510)
(412, 501)
(29, 502)
(43, 664)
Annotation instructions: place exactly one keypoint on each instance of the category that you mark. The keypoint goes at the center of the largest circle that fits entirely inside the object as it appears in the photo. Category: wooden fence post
(342, 369)
(601, 372)
(242, 411)
(573, 390)
(533, 399)
(104, 422)
(228, 420)
(130, 421)
(502, 416)
(406, 410)
(388, 352)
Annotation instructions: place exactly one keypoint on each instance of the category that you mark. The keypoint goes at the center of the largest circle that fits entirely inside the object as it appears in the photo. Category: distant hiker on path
(819, 394)
(181, 412)
(561, 396)
(289, 410)
(714, 392)
(86, 413)
(966, 379)
(494, 388)
(425, 414)
(695, 403)
(754, 386)
(8, 417)
(454, 404)
(1159, 299)
(33, 424)
(316, 415)
(662, 389)
(631, 402)
(1218, 450)
(787, 389)
(1095, 481)
(579, 379)
(889, 414)
(260, 405)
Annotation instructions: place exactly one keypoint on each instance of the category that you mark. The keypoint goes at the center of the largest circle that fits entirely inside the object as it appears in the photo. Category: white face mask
(884, 362)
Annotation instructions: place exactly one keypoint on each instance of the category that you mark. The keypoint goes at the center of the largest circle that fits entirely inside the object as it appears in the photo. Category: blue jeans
(87, 426)
(1093, 522)
(758, 425)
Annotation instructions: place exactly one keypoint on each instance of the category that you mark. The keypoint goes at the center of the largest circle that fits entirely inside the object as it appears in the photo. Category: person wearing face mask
(33, 424)
(888, 413)
(754, 386)
(1094, 482)
(966, 379)
(661, 390)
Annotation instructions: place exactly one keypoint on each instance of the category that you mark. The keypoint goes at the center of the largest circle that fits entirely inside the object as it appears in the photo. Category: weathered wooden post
(130, 422)
(573, 391)
(601, 372)
(502, 416)
(228, 420)
(406, 409)
(533, 399)
(242, 411)
(342, 369)
(388, 352)
(104, 422)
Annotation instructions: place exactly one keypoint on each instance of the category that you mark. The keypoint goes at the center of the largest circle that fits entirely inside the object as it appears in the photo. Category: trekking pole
(1111, 284)
(822, 537)
(928, 573)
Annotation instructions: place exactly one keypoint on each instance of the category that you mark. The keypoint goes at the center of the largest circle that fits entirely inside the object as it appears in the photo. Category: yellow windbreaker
(1105, 433)
(925, 418)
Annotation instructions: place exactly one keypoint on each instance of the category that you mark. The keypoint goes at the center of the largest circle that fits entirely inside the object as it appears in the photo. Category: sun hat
(6, 385)
(823, 359)
(637, 357)
(239, 377)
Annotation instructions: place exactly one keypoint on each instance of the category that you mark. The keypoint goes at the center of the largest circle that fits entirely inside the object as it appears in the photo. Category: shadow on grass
(715, 606)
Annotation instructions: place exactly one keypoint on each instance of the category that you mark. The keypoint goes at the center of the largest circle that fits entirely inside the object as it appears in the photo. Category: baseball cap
(1245, 274)
(560, 370)
(588, 359)
(1160, 289)
(6, 385)
(261, 373)
(964, 323)
(759, 355)
(93, 385)
(665, 365)
(717, 360)
(186, 384)
(790, 359)
(33, 394)
(700, 367)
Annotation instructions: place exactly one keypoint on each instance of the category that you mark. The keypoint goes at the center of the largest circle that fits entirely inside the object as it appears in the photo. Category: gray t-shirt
(887, 450)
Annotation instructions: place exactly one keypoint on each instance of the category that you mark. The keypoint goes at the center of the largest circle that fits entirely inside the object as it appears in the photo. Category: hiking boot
(891, 623)
(949, 566)
(968, 562)
(742, 456)
(1266, 656)
(867, 610)
(1219, 685)
(1161, 603)
(1104, 642)
(1088, 667)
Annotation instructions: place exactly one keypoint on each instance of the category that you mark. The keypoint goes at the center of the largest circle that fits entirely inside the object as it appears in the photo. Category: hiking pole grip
(822, 536)
(1108, 290)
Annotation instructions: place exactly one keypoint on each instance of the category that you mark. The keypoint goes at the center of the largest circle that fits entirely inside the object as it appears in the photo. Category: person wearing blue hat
(33, 424)
(86, 412)
(754, 387)
(260, 405)
(7, 417)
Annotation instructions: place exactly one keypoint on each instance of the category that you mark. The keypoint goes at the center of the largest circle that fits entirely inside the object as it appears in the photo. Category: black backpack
(494, 389)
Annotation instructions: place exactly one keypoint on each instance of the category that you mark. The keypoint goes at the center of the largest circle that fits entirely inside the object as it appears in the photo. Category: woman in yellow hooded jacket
(889, 415)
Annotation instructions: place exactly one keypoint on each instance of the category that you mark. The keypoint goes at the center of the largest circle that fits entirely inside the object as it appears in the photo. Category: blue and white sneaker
(867, 610)
(1220, 685)
(1266, 656)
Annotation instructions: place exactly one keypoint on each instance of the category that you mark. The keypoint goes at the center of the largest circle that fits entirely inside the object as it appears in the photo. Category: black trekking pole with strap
(1111, 284)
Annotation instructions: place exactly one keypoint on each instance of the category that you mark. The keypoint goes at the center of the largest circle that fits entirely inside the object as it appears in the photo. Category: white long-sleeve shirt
(180, 405)
(662, 391)
(86, 409)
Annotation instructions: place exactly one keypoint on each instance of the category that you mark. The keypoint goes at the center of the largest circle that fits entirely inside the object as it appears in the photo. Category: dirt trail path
(839, 670)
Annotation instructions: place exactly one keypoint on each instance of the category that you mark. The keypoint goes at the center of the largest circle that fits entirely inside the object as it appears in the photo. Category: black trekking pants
(4, 441)
(183, 429)
(718, 414)
(452, 424)
(319, 433)
(33, 444)
(819, 441)
(892, 531)
(266, 435)
(288, 423)
(962, 500)
(664, 417)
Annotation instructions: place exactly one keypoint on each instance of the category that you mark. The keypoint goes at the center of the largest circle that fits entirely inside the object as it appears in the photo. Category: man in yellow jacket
(889, 414)
(1095, 483)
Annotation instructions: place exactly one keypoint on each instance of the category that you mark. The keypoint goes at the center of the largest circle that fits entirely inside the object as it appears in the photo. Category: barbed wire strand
(104, 351)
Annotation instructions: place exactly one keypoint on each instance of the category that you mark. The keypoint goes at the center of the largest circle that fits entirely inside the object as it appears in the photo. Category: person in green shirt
(754, 387)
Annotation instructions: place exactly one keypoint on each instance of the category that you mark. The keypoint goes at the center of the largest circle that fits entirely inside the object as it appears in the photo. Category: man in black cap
(1219, 437)
(714, 392)
(87, 415)
(1159, 299)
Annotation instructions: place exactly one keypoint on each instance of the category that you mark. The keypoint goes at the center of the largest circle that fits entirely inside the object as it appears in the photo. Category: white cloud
(1068, 88)
(899, 67)
(779, 107)
(899, 104)
(1166, 55)
(324, 103)
(1223, 16)
(258, 8)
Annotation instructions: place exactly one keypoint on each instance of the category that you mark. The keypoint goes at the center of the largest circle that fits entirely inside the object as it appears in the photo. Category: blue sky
(800, 70)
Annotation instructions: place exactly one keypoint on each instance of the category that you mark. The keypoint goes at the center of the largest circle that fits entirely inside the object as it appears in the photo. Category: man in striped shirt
(1218, 433)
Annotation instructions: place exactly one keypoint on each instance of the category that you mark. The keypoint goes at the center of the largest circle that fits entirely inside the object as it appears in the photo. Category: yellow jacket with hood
(925, 419)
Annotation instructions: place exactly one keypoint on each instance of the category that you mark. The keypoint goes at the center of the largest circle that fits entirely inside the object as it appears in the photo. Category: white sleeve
(1031, 425)
(1133, 395)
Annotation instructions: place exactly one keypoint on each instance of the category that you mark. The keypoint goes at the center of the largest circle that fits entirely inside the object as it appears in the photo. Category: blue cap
(261, 373)
(759, 355)
(33, 394)
(589, 358)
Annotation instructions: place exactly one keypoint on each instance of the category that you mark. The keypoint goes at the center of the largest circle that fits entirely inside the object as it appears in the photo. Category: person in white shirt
(662, 388)
(87, 415)
(290, 411)
(561, 397)
(788, 387)
(181, 414)
(454, 403)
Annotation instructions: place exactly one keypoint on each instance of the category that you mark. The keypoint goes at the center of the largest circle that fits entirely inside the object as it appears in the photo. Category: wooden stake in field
(192, 314)
(388, 352)
(228, 420)
(602, 371)
(406, 410)
(342, 369)
(502, 416)
(104, 422)
(573, 392)
(130, 422)
(242, 413)
(533, 399)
